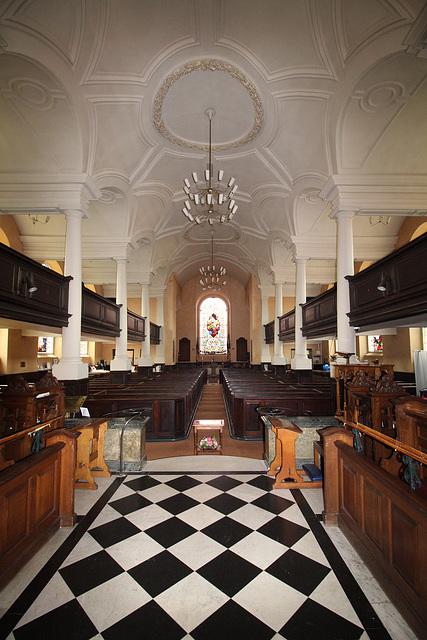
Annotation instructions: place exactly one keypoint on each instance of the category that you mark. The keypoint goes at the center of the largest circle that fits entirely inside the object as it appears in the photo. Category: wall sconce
(382, 285)
(27, 285)
(31, 287)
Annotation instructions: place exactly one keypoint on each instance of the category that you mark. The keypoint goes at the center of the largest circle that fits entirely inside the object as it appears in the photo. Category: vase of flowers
(208, 443)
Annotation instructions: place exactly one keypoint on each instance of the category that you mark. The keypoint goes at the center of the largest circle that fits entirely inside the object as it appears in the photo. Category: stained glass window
(45, 345)
(213, 326)
(375, 344)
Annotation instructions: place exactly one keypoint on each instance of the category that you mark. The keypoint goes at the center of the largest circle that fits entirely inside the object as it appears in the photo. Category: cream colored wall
(186, 316)
(11, 231)
(4, 333)
(412, 227)
(18, 350)
(399, 349)
(134, 304)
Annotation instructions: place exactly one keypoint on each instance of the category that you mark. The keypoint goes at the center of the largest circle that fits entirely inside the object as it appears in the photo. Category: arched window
(213, 326)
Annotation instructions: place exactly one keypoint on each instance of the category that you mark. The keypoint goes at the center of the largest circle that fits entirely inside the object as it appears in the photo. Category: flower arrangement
(209, 442)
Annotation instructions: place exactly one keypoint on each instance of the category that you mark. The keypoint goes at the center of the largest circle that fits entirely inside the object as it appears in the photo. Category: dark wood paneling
(136, 327)
(405, 274)
(373, 515)
(269, 332)
(405, 548)
(287, 327)
(154, 333)
(387, 522)
(319, 315)
(36, 497)
(47, 305)
(99, 316)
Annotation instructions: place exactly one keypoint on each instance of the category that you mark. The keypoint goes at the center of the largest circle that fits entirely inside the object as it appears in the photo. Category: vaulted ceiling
(320, 105)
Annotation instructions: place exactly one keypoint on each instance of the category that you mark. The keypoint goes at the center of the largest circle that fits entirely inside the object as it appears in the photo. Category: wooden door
(184, 350)
(241, 349)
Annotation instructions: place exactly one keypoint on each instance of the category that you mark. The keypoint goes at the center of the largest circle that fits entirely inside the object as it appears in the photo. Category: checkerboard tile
(189, 556)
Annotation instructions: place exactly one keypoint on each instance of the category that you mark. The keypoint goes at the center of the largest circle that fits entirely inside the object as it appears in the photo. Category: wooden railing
(287, 327)
(409, 454)
(18, 445)
(384, 519)
(403, 274)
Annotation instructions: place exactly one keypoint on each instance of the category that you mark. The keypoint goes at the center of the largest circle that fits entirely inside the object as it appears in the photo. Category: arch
(54, 265)
(212, 325)
(3, 238)
(419, 231)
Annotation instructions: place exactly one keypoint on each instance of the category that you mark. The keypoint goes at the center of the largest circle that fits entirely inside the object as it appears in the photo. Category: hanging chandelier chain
(209, 200)
(211, 275)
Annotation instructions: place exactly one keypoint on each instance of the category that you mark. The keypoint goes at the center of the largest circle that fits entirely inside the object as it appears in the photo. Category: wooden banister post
(67, 514)
(330, 435)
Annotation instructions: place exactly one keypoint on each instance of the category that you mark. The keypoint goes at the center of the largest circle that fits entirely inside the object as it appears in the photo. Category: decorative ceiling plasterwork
(381, 96)
(33, 93)
(214, 66)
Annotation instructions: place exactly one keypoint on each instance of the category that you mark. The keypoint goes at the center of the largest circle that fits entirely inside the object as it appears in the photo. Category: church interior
(213, 319)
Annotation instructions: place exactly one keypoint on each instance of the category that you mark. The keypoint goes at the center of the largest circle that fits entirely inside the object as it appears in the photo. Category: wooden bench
(90, 462)
(283, 467)
(171, 397)
(244, 391)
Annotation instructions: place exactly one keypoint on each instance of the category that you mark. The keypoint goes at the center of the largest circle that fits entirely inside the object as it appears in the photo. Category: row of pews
(247, 389)
(170, 397)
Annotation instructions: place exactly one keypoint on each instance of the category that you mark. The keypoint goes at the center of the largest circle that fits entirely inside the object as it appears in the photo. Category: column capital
(267, 290)
(75, 213)
(300, 259)
(342, 214)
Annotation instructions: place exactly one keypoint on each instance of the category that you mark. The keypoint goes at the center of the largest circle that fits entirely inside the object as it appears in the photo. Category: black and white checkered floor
(195, 556)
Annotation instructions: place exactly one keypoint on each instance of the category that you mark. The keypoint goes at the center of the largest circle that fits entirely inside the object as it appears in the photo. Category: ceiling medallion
(207, 65)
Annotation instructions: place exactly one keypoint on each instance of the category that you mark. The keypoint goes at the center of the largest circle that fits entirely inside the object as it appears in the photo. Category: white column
(121, 362)
(160, 348)
(265, 349)
(300, 360)
(145, 360)
(345, 267)
(278, 311)
(71, 366)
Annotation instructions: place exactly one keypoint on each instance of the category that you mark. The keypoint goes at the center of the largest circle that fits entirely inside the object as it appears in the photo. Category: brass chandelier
(209, 199)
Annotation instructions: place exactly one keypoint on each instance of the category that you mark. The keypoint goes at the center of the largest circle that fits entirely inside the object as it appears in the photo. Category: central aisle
(211, 407)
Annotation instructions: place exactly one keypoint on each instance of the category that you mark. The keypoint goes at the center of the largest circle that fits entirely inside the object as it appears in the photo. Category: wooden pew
(36, 498)
(171, 397)
(244, 391)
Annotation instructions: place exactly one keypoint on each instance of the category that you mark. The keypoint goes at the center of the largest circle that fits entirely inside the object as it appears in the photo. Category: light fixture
(27, 284)
(209, 199)
(382, 285)
(35, 218)
(212, 276)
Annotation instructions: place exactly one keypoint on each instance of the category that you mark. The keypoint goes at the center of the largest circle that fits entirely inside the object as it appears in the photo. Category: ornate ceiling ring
(208, 65)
